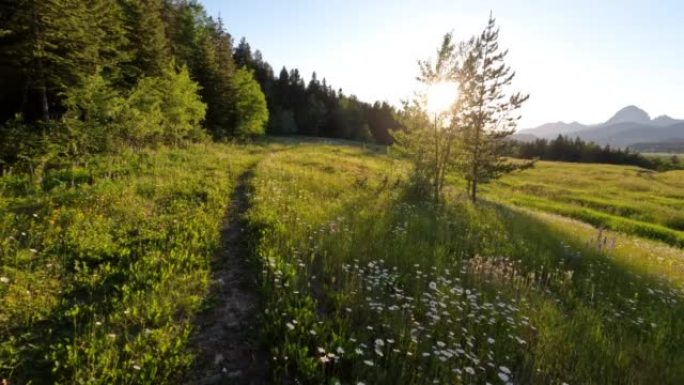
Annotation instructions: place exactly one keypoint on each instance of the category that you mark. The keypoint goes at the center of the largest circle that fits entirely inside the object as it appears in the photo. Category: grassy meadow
(628, 199)
(365, 285)
(104, 264)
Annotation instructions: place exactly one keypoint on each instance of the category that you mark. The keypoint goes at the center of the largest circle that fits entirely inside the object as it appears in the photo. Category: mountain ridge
(627, 126)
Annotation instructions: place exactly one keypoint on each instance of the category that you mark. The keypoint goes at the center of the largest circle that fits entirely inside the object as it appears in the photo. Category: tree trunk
(44, 109)
(436, 167)
(473, 191)
(40, 89)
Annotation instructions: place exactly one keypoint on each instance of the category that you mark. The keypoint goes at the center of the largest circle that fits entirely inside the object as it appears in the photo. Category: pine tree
(54, 44)
(487, 112)
(214, 71)
(147, 38)
(243, 54)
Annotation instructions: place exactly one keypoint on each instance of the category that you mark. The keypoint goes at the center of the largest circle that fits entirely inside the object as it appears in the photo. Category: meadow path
(226, 341)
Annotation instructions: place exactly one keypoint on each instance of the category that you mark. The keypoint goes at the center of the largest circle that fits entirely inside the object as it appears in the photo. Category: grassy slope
(105, 264)
(626, 199)
(363, 284)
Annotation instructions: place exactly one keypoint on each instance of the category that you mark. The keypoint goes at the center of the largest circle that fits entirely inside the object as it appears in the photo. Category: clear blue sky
(579, 59)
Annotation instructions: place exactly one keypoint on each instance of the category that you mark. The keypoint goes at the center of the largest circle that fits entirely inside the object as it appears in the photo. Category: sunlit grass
(104, 265)
(626, 199)
(365, 284)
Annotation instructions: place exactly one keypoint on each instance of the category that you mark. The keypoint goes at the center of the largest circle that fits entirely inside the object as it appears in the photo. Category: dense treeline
(90, 76)
(315, 108)
(95, 75)
(566, 149)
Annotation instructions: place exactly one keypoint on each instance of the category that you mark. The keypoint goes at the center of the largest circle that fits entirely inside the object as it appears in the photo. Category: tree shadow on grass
(597, 321)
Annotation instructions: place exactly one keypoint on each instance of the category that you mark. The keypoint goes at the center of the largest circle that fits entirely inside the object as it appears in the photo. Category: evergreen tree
(215, 71)
(147, 38)
(251, 112)
(54, 44)
(486, 112)
(243, 54)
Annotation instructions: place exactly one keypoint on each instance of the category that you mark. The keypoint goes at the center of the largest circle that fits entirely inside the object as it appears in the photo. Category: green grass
(626, 199)
(365, 285)
(106, 262)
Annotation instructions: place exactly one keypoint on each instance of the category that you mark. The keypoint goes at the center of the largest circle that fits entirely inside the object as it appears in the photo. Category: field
(627, 199)
(105, 264)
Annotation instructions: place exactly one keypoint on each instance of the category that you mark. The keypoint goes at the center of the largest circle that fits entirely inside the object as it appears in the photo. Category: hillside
(628, 126)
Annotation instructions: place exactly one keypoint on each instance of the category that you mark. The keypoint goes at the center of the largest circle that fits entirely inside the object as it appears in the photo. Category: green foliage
(416, 143)
(214, 70)
(251, 113)
(29, 149)
(94, 114)
(147, 38)
(486, 112)
(432, 143)
(53, 44)
(163, 109)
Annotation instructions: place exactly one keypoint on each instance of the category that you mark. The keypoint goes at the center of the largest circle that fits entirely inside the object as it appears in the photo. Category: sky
(580, 60)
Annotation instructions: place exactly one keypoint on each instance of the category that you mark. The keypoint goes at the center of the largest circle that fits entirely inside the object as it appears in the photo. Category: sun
(441, 96)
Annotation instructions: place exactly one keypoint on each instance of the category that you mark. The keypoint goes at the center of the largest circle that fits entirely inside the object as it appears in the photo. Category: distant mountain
(628, 126)
(630, 114)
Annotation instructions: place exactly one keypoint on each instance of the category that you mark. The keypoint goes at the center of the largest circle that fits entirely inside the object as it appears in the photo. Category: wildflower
(368, 363)
(469, 370)
(290, 326)
(503, 376)
(4, 279)
(136, 367)
(505, 369)
(339, 350)
(432, 285)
